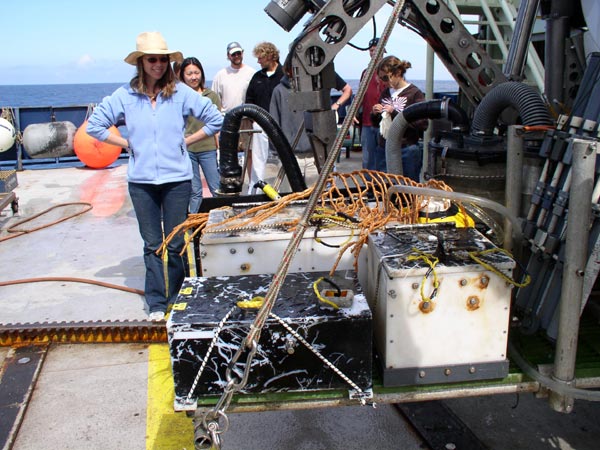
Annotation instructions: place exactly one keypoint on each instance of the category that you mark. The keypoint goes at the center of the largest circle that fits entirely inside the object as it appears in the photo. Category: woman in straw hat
(155, 107)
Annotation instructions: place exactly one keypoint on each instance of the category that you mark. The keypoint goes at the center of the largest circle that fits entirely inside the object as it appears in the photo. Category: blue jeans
(373, 153)
(160, 208)
(412, 161)
(206, 160)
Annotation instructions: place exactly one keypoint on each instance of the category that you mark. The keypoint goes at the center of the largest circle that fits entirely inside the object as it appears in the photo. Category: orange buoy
(92, 152)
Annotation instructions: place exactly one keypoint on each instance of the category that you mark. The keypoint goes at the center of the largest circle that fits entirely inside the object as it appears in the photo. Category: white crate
(463, 335)
(260, 250)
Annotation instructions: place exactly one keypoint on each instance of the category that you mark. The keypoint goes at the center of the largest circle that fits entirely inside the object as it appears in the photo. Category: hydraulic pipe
(433, 109)
(519, 45)
(229, 139)
(525, 99)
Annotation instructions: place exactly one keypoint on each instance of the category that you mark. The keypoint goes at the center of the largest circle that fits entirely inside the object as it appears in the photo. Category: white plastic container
(259, 250)
(455, 333)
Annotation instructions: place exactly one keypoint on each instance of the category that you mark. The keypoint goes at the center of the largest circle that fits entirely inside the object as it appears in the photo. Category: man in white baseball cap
(232, 81)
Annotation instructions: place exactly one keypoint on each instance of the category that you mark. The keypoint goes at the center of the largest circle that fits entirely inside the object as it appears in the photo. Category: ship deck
(108, 395)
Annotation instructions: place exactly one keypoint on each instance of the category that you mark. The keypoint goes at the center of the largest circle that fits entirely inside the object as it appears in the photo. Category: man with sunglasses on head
(232, 81)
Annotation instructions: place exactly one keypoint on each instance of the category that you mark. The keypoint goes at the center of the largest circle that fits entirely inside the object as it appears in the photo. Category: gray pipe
(517, 50)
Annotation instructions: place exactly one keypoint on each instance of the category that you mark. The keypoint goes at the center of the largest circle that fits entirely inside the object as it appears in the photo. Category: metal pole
(514, 179)
(429, 89)
(577, 236)
(517, 50)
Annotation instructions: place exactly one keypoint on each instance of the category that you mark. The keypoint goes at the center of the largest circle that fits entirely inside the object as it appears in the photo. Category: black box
(282, 362)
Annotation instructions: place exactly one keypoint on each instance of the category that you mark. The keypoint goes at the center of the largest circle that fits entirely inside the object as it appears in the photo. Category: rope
(431, 261)
(320, 297)
(356, 200)
(475, 257)
(13, 229)
(71, 279)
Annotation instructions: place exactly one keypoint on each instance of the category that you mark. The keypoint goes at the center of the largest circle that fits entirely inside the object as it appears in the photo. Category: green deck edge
(537, 349)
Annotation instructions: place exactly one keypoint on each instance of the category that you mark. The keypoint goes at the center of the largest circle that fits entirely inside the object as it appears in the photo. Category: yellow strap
(255, 303)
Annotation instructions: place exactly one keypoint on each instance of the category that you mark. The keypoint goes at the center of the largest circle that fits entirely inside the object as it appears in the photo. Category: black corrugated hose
(525, 99)
(229, 166)
(432, 109)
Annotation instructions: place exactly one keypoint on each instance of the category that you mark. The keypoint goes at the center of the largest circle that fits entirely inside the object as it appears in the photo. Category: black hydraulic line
(525, 99)
(432, 109)
(229, 167)
(437, 109)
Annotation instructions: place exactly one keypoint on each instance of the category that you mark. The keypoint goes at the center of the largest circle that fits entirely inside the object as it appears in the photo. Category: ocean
(59, 95)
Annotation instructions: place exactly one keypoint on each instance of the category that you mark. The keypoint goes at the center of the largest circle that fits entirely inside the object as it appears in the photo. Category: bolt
(421, 374)
(463, 282)
(202, 254)
(462, 42)
(471, 369)
(289, 347)
(485, 281)
(232, 251)
(244, 267)
(473, 301)
(447, 372)
(392, 293)
(250, 250)
(415, 286)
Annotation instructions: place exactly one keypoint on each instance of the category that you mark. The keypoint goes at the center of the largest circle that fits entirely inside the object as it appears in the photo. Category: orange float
(92, 152)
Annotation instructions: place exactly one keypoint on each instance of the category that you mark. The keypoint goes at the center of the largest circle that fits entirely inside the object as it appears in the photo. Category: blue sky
(56, 42)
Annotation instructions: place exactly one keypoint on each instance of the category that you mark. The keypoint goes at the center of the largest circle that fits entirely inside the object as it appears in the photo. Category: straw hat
(152, 43)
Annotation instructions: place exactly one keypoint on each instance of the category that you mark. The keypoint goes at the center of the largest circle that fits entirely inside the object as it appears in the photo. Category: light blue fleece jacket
(156, 136)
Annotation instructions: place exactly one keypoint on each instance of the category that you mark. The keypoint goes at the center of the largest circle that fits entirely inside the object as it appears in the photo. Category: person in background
(204, 153)
(231, 82)
(345, 89)
(292, 125)
(177, 69)
(259, 93)
(373, 156)
(398, 95)
(155, 107)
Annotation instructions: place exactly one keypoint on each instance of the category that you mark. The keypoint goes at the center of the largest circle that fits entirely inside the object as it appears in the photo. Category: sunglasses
(154, 59)
(384, 78)
(236, 54)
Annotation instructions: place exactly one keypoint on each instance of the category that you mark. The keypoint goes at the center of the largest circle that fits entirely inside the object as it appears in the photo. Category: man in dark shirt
(259, 93)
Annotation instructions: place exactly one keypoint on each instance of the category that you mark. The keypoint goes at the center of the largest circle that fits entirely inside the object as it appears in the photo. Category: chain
(188, 399)
(246, 228)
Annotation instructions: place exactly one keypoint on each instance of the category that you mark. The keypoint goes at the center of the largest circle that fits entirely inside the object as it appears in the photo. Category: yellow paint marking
(179, 306)
(165, 428)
